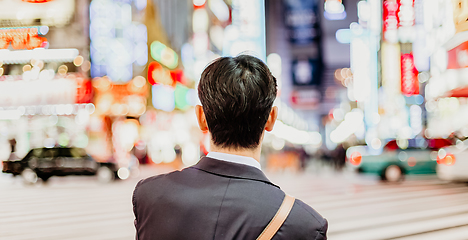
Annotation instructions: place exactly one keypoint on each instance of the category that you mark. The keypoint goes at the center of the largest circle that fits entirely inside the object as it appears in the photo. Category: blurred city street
(67, 208)
(362, 207)
(356, 206)
(93, 91)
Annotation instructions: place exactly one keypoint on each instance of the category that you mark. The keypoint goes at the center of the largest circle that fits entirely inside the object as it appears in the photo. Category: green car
(397, 158)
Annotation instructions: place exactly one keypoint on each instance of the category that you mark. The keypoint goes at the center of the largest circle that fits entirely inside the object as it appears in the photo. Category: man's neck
(246, 152)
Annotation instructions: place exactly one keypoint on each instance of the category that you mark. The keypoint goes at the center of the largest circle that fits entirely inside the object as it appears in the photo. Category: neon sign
(390, 20)
(37, 1)
(409, 81)
(157, 74)
(164, 55)
(22, 38)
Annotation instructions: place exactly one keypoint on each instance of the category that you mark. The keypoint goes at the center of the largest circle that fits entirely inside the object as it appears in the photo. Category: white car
(453, 162)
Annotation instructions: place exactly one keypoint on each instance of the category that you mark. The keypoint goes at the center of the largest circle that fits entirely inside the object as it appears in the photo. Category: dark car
(44, 163)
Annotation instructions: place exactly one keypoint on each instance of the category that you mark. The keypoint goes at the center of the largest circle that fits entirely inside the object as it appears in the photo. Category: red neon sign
(458, 56)
(84, 91)
(37, 1)
(21, 38)
(390, 15)
(409, 75)
(390, 18)
(177, 75)
(157, 74)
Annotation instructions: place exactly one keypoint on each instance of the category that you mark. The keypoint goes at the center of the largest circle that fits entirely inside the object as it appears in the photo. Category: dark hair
(237, 95)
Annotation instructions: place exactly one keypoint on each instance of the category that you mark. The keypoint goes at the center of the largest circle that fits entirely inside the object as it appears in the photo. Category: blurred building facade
(120, 77)
(406, 77)
(45, 87)
(353, 72)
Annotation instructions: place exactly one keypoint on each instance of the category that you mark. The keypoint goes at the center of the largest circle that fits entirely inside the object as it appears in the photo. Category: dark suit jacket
(217, 200)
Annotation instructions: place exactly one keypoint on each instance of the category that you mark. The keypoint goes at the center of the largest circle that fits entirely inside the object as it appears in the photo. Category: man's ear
(201, 118)
(271, 118)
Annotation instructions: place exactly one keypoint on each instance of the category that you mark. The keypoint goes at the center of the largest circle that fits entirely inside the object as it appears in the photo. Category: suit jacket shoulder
(218, 200)
(305, 220)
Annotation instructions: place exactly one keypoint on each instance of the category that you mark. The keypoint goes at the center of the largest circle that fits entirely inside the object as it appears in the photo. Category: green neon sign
(164, 55)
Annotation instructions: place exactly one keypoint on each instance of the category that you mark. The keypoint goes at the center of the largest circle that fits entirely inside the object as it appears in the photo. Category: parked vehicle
(397, 158)
(453, 162)
(44, 163)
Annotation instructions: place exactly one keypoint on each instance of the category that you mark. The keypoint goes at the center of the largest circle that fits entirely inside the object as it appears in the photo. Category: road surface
(357, 207)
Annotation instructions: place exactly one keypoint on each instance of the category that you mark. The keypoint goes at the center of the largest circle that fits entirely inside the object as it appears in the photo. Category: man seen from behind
(225, 195)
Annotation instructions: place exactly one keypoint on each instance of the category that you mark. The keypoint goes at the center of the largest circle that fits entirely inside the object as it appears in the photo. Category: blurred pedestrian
(12, 156)
(303, 158)
(226, 195)
(339, 157)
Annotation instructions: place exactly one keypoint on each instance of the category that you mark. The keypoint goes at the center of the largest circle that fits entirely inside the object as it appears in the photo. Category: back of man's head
(237, 95)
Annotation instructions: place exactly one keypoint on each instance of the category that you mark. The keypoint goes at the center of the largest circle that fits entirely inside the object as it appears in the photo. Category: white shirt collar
(235, 159)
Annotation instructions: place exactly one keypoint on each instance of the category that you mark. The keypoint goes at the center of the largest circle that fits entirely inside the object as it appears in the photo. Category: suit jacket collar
(229, 169)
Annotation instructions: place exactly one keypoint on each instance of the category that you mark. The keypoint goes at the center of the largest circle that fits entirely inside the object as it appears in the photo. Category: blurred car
(397, 158)
(44, 163)
(453, 162)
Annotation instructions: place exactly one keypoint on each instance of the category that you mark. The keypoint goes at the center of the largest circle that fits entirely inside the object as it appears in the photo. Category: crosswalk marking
(455, 233)
(340, 217)
(74, 208)
(369, 209)
(398, 218)
(399, 230)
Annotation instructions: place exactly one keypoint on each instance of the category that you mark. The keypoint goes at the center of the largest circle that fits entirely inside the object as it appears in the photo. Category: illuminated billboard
(409, 75)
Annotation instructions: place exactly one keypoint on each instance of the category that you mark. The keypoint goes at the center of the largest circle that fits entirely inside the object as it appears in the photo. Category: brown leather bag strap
(278, 219)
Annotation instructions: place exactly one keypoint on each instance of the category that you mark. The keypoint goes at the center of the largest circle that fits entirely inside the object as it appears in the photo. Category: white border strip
(46, 55)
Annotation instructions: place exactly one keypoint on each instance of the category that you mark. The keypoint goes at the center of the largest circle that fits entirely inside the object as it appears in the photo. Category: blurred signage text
(390, 20)
(46, 55)
(22, 38)
(305, 99)
(45, 92)
(409, 75)
(50, 13)
(302, 21)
